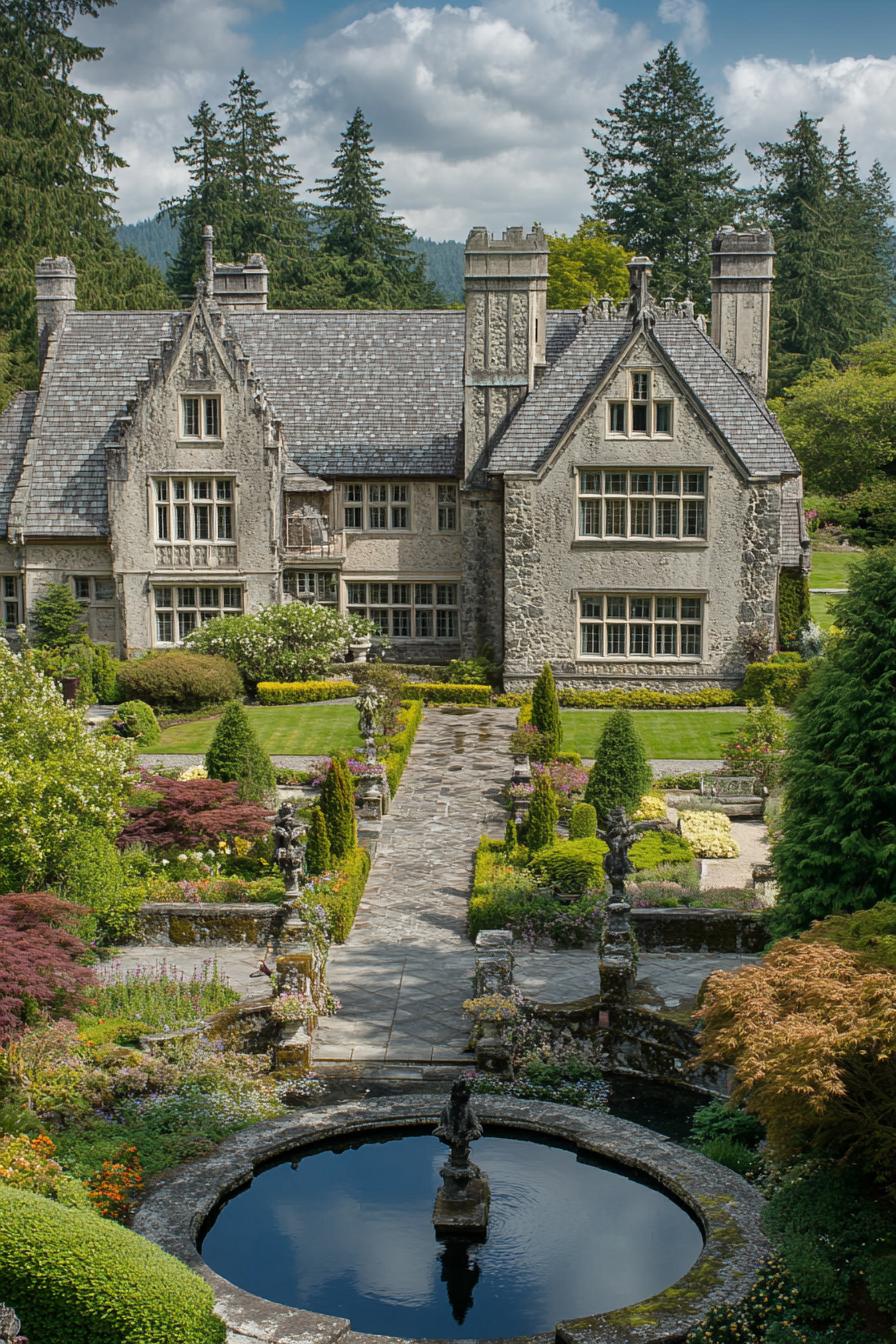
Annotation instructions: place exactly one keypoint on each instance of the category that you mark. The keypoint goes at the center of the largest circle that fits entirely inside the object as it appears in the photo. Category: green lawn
(684, 734)
(821, 608)
(830, 569)
(283, 730)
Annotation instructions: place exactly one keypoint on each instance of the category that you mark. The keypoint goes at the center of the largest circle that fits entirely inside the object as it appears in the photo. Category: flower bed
(709, 834)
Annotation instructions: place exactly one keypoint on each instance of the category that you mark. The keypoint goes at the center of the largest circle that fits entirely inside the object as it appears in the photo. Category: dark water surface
(347, 1230)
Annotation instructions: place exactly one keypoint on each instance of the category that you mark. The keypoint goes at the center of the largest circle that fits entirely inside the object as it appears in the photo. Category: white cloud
(691, 17)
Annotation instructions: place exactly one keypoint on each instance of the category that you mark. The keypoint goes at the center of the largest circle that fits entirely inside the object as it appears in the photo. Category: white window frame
(11, 594)
(633, 398)
(623, 494)
(377, 506)
(446, 507)
(204, 405)
(167, 602)
(176, 513)
(408, 610)
(615, 624)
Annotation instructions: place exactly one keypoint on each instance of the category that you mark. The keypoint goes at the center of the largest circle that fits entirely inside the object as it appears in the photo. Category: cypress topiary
(337, 801)
(236, 754)
(620, 774)
(511, 838)
(582, 821)
(318, 856)
(546, 707)
(837, 849)
(541, 826)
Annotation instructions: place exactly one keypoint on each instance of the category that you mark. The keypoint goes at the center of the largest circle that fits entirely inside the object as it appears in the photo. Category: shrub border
(727, 1209)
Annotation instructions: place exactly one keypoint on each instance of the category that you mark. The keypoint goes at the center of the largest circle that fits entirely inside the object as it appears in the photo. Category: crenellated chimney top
(55, 286)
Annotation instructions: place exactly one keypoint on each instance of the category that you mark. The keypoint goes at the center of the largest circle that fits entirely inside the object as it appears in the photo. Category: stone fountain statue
(10, 1326)
(617, 959)
(289, 848)
(369, 705)
(461, 1207)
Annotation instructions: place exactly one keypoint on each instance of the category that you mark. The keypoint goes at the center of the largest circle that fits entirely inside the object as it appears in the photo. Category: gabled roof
(542, 421)
(15, 427)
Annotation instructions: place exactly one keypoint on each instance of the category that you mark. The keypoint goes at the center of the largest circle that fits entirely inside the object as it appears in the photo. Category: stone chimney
(241, 288)
(505, 292)
(56, 279)
(742, 273)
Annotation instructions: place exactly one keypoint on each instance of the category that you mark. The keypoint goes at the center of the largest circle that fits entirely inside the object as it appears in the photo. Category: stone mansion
(605, 489)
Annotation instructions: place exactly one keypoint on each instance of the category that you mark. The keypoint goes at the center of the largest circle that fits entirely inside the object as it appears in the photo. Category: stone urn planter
(360, 649)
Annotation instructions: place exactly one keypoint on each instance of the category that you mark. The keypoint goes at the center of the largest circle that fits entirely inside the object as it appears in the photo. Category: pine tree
(511, 839)
(369, 250)
(57, 618)
(546, 707)
(837, 850)
(541, 823)
(205, 203)
(57, 193)
(236, 754)
(318, 857)
(337, 802)
(662, 175)
(621, 774)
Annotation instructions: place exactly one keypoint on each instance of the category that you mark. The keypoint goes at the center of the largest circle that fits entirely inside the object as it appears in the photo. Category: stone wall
(688, 930)
(206, 924)
(734, 568)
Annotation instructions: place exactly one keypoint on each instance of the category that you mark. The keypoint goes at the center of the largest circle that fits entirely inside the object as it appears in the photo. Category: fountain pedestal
(461, 1207)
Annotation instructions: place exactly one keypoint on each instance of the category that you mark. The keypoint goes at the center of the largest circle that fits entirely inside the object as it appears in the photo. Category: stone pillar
(56, 280)
(742, 272)
(618, 970)
(243, 288)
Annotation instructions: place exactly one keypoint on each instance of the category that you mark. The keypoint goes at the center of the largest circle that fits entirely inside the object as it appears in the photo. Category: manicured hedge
(341, 897)
(179, 680)
(447, 693)
(302, 692)
(398, 747)
(136, 719)
(782, 679)
(75, 1278)
(647, 699)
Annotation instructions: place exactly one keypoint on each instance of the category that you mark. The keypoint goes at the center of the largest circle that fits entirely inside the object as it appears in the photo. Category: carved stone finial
(641, 307)
(289, 847)
(687, 308)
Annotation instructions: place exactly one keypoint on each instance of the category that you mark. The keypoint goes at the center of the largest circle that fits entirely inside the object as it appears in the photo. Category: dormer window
(200, 418)
(641, 415)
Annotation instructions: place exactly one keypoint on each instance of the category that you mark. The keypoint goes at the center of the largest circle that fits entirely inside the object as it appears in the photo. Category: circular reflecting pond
(347, 1230)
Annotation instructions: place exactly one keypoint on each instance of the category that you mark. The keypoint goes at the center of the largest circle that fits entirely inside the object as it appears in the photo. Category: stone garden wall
(212, 924)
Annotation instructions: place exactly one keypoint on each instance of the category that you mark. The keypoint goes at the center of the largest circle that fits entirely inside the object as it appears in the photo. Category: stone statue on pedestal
(289, 848)
(461, 1207)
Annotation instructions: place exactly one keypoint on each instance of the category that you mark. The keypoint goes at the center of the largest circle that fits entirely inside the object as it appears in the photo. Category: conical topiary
(546, 707)
(511, 838)
(541, 826)
(582, 821)
(620, 774)
(236, 754)
(337, 801)
(318, 855)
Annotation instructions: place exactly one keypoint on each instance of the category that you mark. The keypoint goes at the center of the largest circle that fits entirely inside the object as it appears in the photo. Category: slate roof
(738, 414)
(15, 426)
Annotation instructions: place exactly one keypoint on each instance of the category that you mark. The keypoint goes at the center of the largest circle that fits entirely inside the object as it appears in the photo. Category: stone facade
(427, 469)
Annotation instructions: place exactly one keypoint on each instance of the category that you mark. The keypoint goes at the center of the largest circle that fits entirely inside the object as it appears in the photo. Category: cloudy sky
(480, 111)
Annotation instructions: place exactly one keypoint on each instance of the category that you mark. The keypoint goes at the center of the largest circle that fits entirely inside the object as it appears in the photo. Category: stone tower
(55, 280)
(742, 273)
(505, 290)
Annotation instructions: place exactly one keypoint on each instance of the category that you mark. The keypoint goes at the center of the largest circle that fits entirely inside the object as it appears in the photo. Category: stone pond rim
(175, 1211)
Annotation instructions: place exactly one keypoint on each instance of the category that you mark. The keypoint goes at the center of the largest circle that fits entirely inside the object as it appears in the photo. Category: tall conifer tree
(369, 248)
(57, 192)
(661, 174)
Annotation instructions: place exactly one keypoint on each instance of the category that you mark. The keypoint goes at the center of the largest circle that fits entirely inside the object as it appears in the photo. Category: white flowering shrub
(288, 643)
(709, 834)
(56, 778)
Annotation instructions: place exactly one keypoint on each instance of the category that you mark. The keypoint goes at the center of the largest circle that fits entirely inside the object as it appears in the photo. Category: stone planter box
(173, 924)
(687, 930)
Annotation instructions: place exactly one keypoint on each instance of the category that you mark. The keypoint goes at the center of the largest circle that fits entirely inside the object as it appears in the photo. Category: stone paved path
(406, 968)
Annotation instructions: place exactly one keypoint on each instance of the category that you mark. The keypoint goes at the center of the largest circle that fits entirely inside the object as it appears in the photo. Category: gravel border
(727, 1208)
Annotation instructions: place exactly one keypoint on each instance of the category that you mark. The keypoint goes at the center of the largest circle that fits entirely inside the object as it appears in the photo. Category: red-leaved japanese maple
(40, 963)
(180, 813)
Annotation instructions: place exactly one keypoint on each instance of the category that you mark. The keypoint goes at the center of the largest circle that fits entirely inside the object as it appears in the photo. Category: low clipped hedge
(578, 865)
(180, 680)
(75, 1278)
(303, 692)
(341, 896)
(398, 747)
(447, 693)
(782, 677)
(619, 698)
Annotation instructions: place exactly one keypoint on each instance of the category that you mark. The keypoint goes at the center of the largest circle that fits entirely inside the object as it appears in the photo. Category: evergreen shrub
(180, 680)
(318, 856)
(398, 747)
(582, 821)
(541, 823)
(236, 754)
(617, 698)
(93, 875)
(135, 719)
(341, 896)
(620, 775)
(303, 692)
(546, 707)
(571, 865)
(57, 618)
(76, 1278)
(783, 681)
(337, 803)
(447, 693)
(793, 605)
